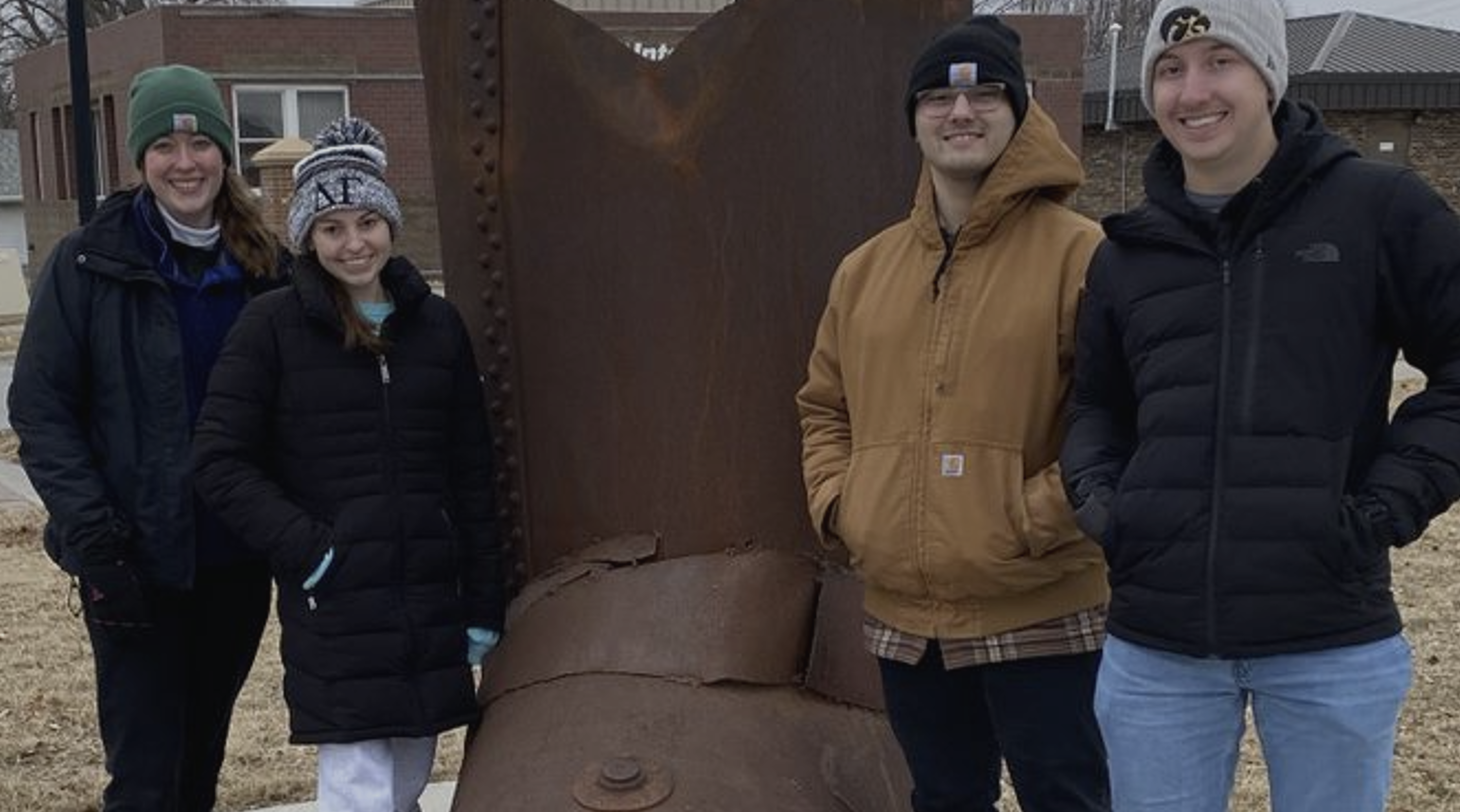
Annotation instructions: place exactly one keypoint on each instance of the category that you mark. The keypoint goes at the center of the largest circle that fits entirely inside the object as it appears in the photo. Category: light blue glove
(324, 564)
(479, 643)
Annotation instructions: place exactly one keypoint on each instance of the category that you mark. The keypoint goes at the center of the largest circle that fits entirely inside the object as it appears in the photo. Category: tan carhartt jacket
(932, 419)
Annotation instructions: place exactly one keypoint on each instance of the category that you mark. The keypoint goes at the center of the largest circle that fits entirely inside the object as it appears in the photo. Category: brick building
(1391, 88)
(286, 70)
(283, 71)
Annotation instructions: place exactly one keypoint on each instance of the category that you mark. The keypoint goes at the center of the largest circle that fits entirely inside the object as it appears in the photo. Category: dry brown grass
(50, 759)
(50, 755)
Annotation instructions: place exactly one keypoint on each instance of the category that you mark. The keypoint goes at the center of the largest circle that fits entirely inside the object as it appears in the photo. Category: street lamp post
(1110, 88)
(83, 141)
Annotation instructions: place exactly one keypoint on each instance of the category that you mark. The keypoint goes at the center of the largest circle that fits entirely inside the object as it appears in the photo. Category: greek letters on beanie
(175, 98)
(978, 50)
(1256, 28)
(345, 171)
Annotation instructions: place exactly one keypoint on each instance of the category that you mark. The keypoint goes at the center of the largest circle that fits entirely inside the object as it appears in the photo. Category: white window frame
(289, 103)
(101, 157)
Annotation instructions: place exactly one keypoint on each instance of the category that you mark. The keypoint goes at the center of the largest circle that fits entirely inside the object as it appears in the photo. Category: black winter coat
(100, 397)
(1230, 406)
(303, 446)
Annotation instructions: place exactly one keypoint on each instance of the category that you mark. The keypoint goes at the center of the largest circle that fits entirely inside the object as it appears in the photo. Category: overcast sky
(1442, 13)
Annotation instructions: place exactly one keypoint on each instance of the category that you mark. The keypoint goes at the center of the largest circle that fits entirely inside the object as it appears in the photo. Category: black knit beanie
(992, 48)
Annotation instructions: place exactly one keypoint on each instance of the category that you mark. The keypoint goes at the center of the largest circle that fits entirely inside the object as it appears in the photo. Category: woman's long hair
(359, 332)
(245, 234)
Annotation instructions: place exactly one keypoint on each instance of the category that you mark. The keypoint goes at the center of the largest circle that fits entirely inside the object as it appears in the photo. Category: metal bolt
(620, 775)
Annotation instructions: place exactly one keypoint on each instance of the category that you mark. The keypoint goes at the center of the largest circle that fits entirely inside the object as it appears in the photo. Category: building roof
(1343, 60)
(9, 164)
(1346, 42)
(611, 6)
(644, 6)
(1350, 42)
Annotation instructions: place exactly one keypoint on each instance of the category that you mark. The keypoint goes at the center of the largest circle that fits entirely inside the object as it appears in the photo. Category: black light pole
(82, 139)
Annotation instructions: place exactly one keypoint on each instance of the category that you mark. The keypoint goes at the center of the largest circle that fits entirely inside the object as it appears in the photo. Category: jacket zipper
(1245, 386)
(943, 264)
(393, 463)
(922, 454)
(1218, 455)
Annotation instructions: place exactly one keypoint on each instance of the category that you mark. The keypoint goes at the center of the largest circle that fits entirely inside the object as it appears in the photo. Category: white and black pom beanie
(346, 170)
(1256, 28)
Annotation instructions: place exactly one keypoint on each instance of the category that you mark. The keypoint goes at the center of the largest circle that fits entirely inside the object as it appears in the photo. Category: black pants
(164, 694)
(1036, 715)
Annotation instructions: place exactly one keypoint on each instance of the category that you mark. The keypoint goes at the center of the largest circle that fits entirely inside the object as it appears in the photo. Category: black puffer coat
(303, 446)
(1230, 406)
(104, 379)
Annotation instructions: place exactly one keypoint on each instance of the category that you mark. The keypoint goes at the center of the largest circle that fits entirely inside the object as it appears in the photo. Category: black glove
(1378, 521)
(112, 595)
(1093, 514)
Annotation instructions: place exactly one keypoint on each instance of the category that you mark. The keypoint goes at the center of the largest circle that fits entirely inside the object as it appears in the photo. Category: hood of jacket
(1035, 164)
(1306, 149)
(406, 286)
(110, 239)
(113, 244)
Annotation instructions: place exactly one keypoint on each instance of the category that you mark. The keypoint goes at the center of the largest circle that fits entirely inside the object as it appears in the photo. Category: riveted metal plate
(745, 617)
(729, 747)
(652, 247)
(643, 249)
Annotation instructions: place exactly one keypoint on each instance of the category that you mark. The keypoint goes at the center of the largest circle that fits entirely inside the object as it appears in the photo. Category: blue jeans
(1035, 715)
(1326, 720)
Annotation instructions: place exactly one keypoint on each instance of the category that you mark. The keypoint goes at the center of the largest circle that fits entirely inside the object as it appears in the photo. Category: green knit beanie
(175, 98)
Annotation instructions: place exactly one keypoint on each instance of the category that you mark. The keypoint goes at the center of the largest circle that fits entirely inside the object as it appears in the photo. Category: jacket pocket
(873, 516)
(1046, 519)
(989, 532)
(1363, 547)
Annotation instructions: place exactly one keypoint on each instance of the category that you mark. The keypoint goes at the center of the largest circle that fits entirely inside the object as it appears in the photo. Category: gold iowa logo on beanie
(1183, 24)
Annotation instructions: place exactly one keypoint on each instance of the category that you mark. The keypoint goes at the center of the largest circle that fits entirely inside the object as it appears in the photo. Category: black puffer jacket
(303, 446)
(1230, 412)
(100, 398)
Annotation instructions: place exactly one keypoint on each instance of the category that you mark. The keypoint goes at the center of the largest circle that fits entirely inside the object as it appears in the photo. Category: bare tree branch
(1133, 15)
(26, 25)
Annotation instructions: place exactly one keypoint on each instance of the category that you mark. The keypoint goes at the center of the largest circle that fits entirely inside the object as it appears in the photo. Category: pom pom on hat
(346, 170)
(175, 98)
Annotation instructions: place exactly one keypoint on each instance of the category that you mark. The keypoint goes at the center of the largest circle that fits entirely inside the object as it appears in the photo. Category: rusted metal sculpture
(642, 250)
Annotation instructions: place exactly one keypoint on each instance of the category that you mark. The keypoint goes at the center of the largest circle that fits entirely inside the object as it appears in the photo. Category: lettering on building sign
(653, 53)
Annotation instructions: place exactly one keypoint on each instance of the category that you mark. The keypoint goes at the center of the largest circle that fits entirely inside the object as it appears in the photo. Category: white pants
(380, 775)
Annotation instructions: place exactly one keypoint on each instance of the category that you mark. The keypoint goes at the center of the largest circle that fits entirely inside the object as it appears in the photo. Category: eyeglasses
(939, 101)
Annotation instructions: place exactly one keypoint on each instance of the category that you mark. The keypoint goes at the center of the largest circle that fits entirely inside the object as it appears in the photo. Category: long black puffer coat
(1230, 407)
(303, 446)
(104, 380)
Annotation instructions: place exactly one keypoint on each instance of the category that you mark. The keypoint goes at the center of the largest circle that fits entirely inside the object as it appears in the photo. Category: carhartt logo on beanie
(978, 50)
(345, 171)
(175, 98)
(1256, 28)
